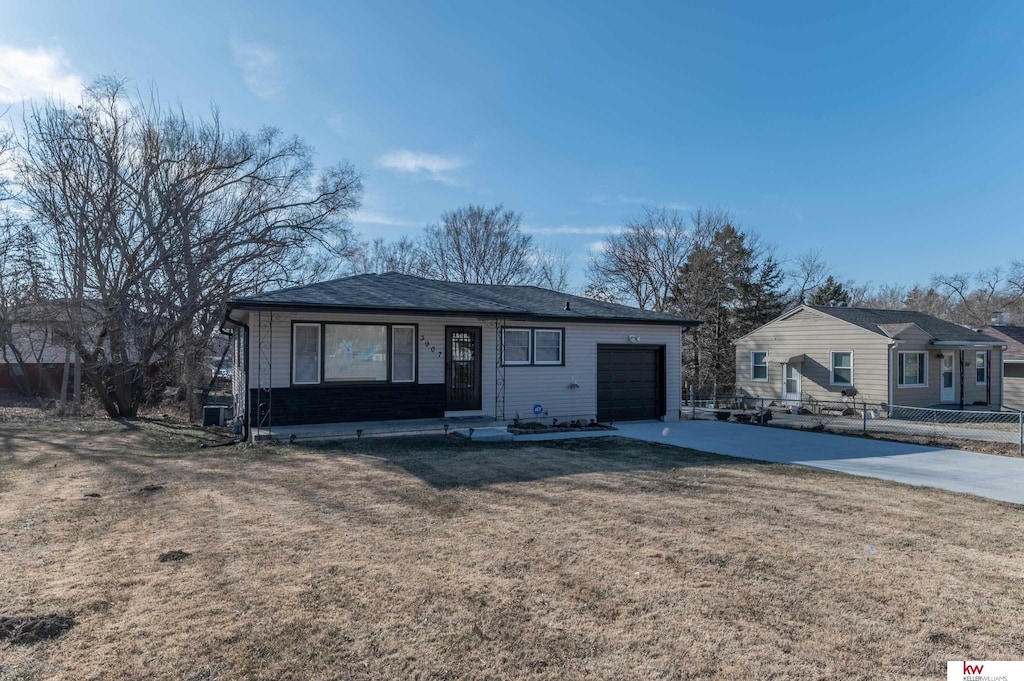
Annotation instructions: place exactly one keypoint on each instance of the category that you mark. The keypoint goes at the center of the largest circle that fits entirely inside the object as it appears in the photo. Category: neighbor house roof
(393, 292)
(881, 321)
(1013, 336)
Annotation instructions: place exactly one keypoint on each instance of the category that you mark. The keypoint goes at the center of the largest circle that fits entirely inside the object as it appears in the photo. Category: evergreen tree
(829, 293)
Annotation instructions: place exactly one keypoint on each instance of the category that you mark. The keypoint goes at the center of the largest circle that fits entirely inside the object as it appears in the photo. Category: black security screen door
(462, 368)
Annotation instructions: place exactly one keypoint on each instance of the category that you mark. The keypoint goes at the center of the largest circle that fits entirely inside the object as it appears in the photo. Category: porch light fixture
(940, 355)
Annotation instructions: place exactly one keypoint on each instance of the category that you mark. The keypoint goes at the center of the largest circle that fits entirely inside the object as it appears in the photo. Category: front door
(462, 368)
(947, 380)
(791, 382)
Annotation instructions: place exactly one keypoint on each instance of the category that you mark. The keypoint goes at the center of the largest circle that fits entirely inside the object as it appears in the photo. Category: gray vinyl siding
(525, 386)
(815, 335)
(1013, 393)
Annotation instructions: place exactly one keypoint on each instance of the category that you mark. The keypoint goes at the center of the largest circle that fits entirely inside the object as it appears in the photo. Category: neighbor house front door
(791, 382)
(462, 375)
(947, 377)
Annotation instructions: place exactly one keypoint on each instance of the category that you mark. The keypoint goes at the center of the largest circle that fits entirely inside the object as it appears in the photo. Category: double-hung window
(842, 368)
(912, 371)
(516, 346)
(525, 347)
(980, 367)
(403, 354)
(547, 346)
(758, 365)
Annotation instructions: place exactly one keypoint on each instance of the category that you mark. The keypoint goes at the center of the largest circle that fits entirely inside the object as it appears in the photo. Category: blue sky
(886, 134)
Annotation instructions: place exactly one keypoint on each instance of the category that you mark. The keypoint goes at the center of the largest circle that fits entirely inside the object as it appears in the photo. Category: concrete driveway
(986, 475)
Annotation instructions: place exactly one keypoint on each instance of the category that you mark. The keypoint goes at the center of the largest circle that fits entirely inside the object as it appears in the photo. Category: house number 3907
(426, 344)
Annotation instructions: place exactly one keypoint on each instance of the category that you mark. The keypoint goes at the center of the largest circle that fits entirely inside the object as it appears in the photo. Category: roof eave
(252, 306)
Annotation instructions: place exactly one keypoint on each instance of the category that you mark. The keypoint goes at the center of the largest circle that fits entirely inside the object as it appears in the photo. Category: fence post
(864, 411)
(693, 402)
(1020, 424)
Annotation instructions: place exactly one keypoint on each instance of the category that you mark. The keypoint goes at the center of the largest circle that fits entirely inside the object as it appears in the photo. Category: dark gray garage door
(630, 382)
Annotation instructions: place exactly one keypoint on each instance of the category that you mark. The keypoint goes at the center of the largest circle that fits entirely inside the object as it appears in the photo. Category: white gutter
(970, 344)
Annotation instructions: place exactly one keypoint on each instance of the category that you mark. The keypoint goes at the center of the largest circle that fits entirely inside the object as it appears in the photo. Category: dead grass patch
(416, 558)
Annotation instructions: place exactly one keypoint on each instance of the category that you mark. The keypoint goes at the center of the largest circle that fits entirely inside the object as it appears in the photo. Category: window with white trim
(980, 367)
(842, 367)
(547, 346)
(355, 353)
(912, 371)
(403, 354)
(759, 365)
(515, 346)
(305, 353)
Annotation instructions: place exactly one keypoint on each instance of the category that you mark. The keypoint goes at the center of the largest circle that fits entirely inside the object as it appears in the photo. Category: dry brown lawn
(413, 558)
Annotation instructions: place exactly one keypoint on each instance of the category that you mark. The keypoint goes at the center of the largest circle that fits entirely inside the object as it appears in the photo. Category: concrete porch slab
(493, 434)
(316, 431)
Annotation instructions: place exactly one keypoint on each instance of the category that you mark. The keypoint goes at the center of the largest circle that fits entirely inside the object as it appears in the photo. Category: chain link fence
(864, 418)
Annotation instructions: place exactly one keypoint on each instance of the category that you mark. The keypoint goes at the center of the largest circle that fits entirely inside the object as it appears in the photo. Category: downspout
(889, 378)
(245, 358)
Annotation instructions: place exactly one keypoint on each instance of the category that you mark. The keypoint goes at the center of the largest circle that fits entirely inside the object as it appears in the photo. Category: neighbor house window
(547, 346)
(913, 369)
(980, 366)
(842, 368)
(355, 352)
(515, 346)
(759, 366)
(403, 354)
(305, 353)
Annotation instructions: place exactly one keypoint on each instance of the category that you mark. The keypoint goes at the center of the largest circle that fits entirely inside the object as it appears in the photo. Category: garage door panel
(630, 382)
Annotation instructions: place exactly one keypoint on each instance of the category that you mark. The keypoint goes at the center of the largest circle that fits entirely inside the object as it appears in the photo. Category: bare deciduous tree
(641, 264)
(154, 219)
(404, 256)
(480, 245)
(807, 273)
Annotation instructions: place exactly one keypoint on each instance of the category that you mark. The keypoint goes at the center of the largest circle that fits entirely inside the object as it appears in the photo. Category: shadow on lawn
(447, 463)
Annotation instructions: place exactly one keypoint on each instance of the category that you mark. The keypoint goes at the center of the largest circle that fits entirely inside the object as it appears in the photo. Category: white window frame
(415, 359)
(319, 353)
(752, 365)
(832, 368)
(529, 346)
(561, 347)
(899, 379)
(984, 369)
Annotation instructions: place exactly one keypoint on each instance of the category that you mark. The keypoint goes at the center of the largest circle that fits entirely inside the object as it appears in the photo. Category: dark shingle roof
(872, 320)
(393, 292)
(1013, 336)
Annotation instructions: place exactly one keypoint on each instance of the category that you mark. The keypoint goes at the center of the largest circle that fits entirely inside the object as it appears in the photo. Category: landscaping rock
(149, 489)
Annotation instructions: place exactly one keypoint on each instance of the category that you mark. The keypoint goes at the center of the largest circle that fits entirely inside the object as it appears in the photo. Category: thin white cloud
(623, 200)
(570, 229)
(433, 166)
(30, 74)
(260, 67)
(596, 246)
(373, 218)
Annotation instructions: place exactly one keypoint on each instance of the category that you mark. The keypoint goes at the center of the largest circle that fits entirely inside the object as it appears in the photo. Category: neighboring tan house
(394, 346)
(890, 357)
(1013, 362)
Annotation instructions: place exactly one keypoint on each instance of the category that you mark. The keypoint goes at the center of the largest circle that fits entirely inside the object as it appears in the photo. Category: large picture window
(403, 354)
(758, 365)
(306, 353)
(842, 368)
(913, 369)
(355, 352)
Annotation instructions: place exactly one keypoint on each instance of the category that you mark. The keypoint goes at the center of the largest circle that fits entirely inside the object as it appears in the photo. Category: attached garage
(630, 382)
